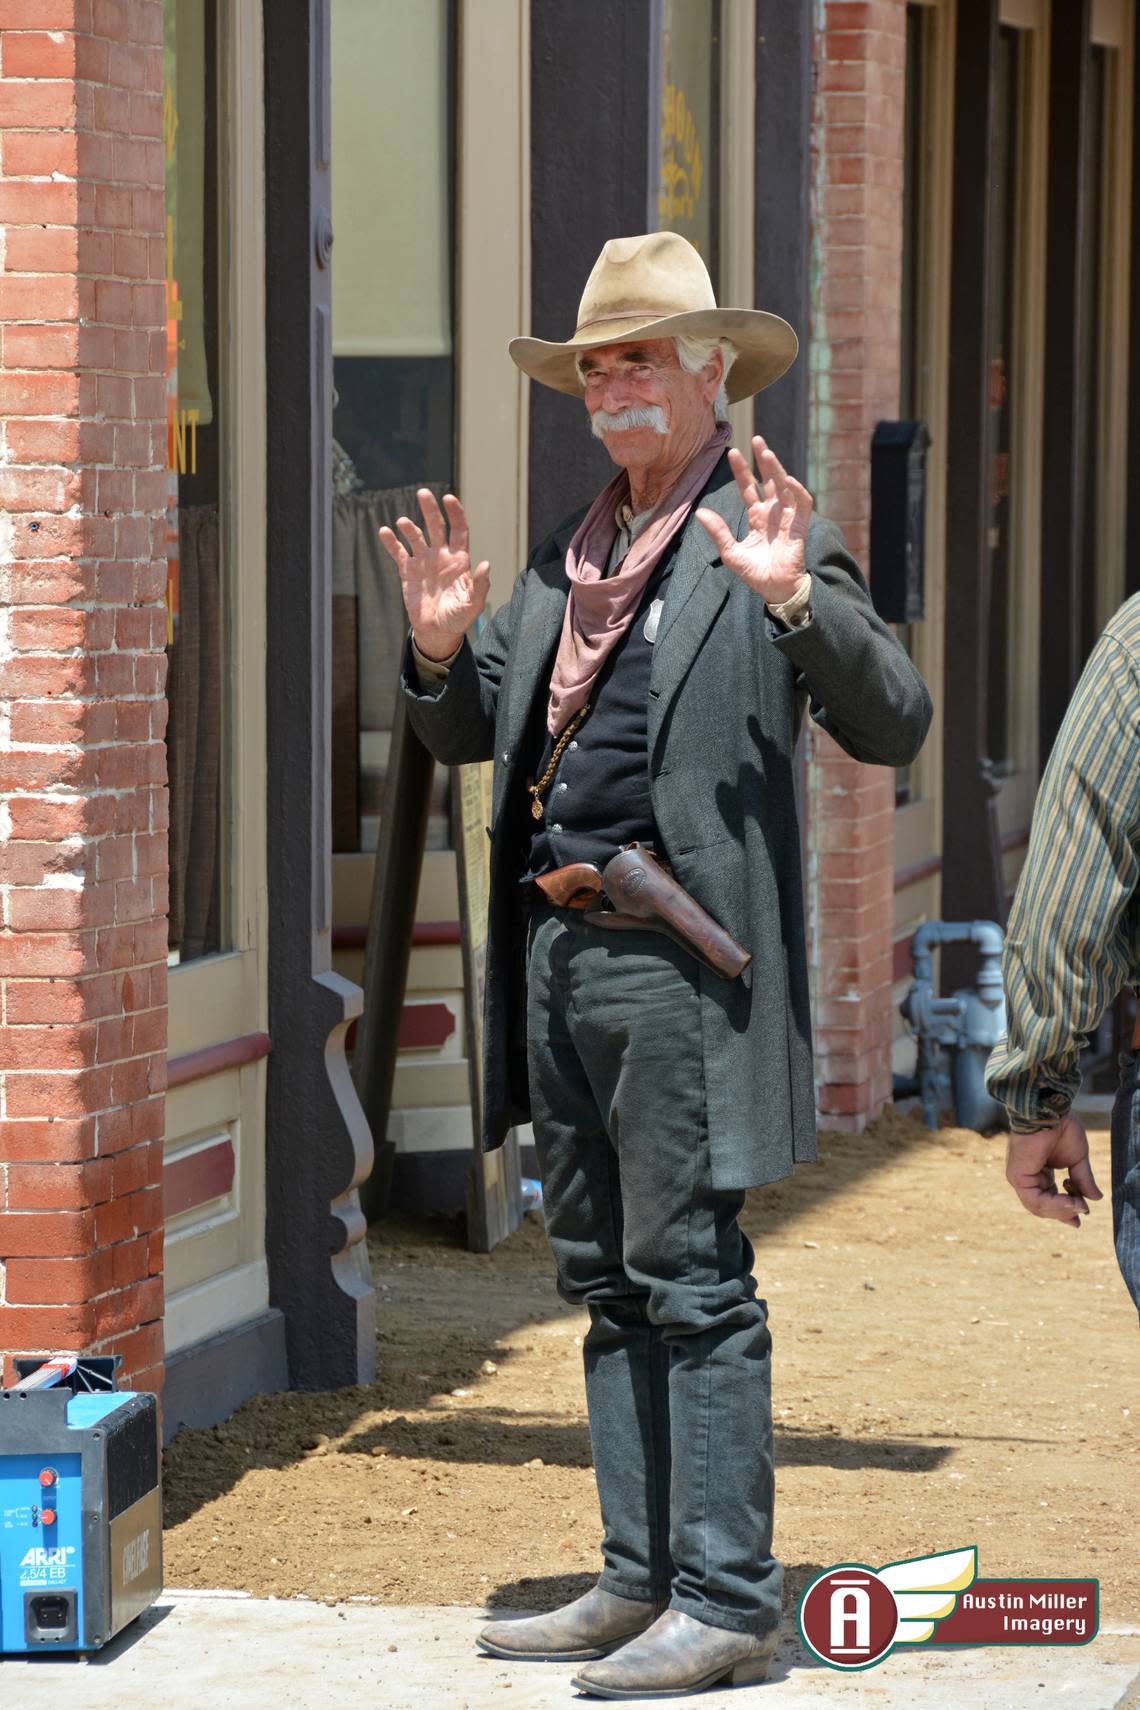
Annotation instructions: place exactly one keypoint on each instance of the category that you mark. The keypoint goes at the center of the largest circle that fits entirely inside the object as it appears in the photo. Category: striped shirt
(1073, 942)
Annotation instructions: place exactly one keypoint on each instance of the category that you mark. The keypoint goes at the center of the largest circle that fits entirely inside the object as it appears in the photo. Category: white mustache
(652, 416)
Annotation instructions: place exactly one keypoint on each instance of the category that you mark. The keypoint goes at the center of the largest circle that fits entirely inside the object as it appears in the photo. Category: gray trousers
(1126, 1174)
(677, 1357)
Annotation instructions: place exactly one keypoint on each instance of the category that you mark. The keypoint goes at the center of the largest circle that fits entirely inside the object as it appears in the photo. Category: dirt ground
(947, 1370)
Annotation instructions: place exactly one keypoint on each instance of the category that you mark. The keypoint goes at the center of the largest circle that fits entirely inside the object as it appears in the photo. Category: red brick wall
(83, 889)
(857, 237)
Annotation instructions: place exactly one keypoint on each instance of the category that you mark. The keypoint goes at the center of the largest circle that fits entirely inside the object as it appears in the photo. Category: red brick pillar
(856, 302)
(83, 890)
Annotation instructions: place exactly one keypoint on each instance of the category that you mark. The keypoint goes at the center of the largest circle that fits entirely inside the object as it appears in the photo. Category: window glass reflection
(393, 407)
(1002, 326)
(685, 123)
(194, 584)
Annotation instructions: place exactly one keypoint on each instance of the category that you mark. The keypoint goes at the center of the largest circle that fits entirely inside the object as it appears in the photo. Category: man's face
(646, 375)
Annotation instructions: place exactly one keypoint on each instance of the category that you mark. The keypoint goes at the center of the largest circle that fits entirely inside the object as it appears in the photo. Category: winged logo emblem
(852, 1616)
(926, 1589)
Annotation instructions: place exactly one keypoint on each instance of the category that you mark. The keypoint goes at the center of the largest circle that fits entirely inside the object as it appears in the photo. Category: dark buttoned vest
(598, 798)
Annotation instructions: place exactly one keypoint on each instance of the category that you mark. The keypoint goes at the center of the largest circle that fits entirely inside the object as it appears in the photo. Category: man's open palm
(442, 593)
(772, 557)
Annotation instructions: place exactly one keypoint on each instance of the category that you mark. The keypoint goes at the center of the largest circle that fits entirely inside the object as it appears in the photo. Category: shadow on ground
(477, 1300)
(551, 1591)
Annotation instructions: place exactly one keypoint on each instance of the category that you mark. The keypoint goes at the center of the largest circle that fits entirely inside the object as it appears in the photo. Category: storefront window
(393, 366)
(685, 122)
(1094, 169)
(910, 379)
(195, 583)
(1002, 380)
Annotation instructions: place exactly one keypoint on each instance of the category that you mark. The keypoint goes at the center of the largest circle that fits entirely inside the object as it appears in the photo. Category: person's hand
(772, 557)
(442, 593)
(1031, 1160)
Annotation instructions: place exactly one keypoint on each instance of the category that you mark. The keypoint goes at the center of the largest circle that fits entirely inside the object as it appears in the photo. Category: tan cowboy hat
(658, 285)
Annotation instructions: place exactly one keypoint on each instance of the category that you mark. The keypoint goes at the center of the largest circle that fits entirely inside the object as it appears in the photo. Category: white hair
(694, 354)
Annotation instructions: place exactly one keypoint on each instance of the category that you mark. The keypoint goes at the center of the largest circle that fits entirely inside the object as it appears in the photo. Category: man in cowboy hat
(644, 685)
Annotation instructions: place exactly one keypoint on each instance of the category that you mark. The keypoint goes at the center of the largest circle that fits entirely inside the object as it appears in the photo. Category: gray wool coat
(728, 688)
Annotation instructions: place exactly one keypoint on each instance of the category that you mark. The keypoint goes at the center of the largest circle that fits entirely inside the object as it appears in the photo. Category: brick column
(857, 138)
(83, 889)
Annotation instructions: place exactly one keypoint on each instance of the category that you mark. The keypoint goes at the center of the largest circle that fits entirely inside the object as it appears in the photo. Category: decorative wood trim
(1018, 788)
(1110, 23)
(423, 1027)
(1132, 526)
(933, 371)
(432, 932)
(1022, 14)
(314, 1229)
(212, 1059)
(589, 179)
(971, 877)
(426, 934)
(902, 962)
(241, 195)
(1064, 418)
(915, 874)
(217, 999)
(492, 280)
(1118, 336)
(198, 1177)
(783, 72)
(736, 238)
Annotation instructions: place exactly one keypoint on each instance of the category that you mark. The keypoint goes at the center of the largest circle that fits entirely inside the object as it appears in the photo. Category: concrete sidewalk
(219, 1651)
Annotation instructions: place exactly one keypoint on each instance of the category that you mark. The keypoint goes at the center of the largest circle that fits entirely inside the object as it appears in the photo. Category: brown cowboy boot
(679, 1655)
(591, 1626)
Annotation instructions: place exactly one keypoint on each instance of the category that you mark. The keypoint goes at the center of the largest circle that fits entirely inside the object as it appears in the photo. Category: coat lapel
(696, 592)
(532, 649)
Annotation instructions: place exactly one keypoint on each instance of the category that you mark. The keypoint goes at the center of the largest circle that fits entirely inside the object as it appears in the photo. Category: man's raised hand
(772, 557)
(442, 593)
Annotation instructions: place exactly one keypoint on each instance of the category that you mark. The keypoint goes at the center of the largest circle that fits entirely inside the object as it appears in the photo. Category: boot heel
(750, 1672)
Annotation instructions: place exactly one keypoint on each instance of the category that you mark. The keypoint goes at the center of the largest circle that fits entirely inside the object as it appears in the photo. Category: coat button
(556, 828)
(506, 755)
(573, 746)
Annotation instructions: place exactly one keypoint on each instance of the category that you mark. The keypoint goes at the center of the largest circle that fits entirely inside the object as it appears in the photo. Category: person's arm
(453, 714)
(1068, 948)
(864, 690)
(451, 689)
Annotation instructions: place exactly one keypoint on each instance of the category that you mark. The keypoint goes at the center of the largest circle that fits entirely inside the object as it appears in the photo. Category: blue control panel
(41, 1531)
(80, 1505)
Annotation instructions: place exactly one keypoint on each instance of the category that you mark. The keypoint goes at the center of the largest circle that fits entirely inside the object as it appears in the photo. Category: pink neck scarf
(601, 608)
